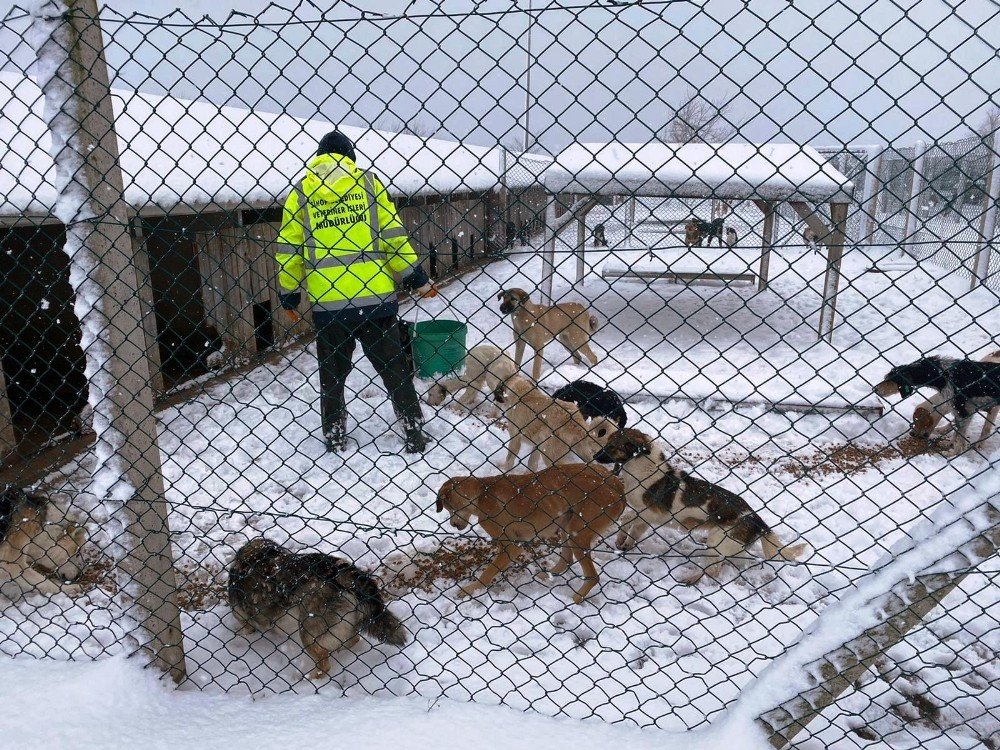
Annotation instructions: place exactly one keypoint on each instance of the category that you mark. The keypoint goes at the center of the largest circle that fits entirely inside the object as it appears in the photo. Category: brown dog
(569, 323)
(659, 494)
(557, 429)
(571, 507)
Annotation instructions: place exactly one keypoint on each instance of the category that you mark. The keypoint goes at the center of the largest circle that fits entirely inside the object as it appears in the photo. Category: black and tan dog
(326, 600)
(37, 554)
(965, 386)
(696, 230)
(658, 494)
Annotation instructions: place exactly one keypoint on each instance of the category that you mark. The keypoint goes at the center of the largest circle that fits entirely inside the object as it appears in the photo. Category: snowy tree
(990, 123)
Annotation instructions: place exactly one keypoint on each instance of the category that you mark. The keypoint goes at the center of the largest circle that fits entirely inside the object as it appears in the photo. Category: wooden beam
(147, 304)
(119, 369)
(831, 284)
(767, 208)
(811, 219)
(8, 437)
(903, 607)
(581, 243)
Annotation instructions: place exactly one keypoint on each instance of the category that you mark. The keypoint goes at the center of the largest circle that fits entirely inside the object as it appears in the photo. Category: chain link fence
(774, 537)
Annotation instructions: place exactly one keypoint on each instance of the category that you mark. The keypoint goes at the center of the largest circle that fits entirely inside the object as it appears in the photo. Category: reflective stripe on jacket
(341, 236)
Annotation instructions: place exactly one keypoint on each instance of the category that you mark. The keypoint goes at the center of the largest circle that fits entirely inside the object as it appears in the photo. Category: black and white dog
(594, 401)
(967, 385)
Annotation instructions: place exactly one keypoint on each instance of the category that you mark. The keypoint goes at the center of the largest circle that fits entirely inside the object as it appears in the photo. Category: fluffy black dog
(969, 386)
(594, 400)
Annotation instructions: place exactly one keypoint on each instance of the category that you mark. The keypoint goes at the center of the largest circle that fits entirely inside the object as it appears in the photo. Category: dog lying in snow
(964, 387)
(325, 599)
(659, 494)
(36, 553)
(485, 368)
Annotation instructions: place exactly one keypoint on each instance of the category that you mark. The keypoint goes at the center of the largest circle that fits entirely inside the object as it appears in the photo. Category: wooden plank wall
(226, 293)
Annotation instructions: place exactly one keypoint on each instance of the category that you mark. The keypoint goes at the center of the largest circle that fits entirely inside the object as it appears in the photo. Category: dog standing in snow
(557, 430)
(658, 494)
(594, 401)
(485, 368)
(809, 237)
(931, 411)
(570, 507)
(569, 323)
(964, 387)
(326, 600)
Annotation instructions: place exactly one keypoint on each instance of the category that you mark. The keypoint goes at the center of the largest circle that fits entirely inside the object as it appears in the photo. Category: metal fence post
(989, 225)
(911, 230)
(873, 185)
(124, 418)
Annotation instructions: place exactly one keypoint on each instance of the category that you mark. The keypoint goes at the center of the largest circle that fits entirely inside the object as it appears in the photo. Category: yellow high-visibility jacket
(341, 236)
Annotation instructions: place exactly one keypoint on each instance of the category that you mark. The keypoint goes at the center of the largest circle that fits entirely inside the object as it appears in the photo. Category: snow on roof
(177, 152)
(773, 171)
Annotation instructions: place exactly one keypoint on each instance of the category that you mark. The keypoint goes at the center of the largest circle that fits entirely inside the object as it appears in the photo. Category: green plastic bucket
(438, 347)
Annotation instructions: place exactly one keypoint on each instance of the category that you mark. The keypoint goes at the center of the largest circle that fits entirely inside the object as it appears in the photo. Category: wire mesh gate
(699, 279)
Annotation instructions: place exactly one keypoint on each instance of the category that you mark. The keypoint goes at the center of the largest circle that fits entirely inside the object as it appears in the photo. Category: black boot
(336, 436)
(415, 440)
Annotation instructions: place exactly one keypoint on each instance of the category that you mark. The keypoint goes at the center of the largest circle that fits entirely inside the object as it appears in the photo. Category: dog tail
(387, 628)
(377, 620)
(774, 547)
(594, 322)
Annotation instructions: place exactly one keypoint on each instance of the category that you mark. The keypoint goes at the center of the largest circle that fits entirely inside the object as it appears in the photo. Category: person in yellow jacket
(342, 239)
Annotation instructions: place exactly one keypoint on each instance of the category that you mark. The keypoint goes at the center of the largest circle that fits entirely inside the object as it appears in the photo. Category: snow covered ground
(245, 459)
(113, 704)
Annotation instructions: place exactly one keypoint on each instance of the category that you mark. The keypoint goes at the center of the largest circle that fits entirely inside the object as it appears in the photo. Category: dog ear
(443, 493)
(500, 297)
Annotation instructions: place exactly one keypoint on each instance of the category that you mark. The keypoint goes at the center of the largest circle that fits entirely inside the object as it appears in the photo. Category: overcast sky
(813, 71)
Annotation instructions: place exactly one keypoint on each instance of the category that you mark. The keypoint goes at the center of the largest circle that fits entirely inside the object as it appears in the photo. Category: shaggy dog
(658, 494)
(931, 411)
(594, 401)
(696, 230)
(964, 386)
(325, 599)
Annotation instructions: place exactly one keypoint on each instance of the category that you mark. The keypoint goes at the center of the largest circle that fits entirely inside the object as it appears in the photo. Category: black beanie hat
(336, 142)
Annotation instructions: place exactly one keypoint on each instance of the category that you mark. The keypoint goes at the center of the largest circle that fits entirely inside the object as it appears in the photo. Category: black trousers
(380, 341)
